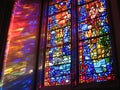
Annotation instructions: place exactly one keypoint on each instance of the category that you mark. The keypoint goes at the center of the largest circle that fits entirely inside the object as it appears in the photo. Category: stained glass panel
(59, 6)
(92, 10)
(95, 49)
(59, 20)
(57, 75)
(51, 2)
(57, 65)
(93, 28)
(95, 61)
(58, 55)
(59, 36)
(58, 47)
(54, 1)
(81, 2)
(21, 47)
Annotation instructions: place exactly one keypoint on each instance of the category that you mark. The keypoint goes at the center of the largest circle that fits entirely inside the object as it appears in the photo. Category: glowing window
(58, 47)
(95, 54)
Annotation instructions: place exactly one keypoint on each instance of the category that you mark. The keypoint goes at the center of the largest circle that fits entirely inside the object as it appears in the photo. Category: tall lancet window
(58, 47)
(95, 49)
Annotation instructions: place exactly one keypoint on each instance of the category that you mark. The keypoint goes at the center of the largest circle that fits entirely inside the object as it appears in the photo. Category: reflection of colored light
(13, 68)
(21, 41)
(7, 71)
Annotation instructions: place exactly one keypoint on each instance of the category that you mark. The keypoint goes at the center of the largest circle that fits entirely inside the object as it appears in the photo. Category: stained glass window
(58, 47)
(83, 22)
(21, 45)
(95, 54)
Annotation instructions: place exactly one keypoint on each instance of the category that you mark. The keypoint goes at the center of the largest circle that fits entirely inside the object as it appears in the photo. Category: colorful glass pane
(95, 61)
(21, 46)
(54, 1)
(95, 54)
(81, 2)
(58, 47)
(60, 6)
(51, 2)
(58, 55)
(59, 36)
(92, 10)
(59, 20)
(57, 75)
(57, 66)
(93, 28)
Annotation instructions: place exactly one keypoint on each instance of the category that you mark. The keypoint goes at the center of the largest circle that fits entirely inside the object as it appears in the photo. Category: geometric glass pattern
(95, 49)
(58, 47)
(20, 53)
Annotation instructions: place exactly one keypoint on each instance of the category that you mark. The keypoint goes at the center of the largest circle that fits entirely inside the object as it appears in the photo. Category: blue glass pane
(81, 2)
